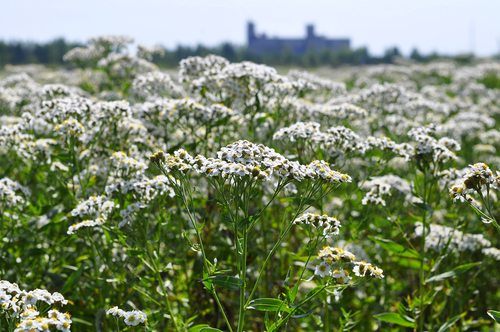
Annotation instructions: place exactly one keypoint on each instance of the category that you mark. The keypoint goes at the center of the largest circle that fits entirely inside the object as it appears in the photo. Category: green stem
(300, 304)
(243, 268)
(165, 294)
(269, 255)
(327, 315)
(282, 236)
(204, 257)
(422, 257)
(183, 194)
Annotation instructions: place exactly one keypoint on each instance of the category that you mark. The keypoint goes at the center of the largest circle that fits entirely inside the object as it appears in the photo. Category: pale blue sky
(448, 26)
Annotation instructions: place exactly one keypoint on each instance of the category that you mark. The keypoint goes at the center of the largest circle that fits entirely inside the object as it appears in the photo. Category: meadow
(233, 197)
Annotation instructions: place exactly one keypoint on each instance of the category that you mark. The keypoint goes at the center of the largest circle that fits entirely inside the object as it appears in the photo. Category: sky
(445, 26)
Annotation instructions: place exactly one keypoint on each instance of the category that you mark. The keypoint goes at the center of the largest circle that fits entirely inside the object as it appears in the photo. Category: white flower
(115, 311)
(135, 317)
(328, 225)
(340, 274)
(322, 269)
(131, 318)
(439, 237)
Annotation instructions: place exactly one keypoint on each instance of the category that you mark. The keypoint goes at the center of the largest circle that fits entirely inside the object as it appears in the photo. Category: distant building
(261, 44)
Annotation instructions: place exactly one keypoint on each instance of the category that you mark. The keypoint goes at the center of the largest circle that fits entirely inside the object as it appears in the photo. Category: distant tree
(415, 55)
(51, 53)
(228, 51)
(391, 54)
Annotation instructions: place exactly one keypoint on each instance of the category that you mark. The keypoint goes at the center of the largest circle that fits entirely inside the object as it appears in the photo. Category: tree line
(51, 54)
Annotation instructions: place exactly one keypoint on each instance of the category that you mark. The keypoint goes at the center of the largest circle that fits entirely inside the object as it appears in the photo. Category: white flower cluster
(32, 321)
(318, 83)
(380, 187)
(404, 150)
(19, 299)
(70, 127)
(122, 65)
(274, 92)
(130, 318)
(155, 84)
(215, 79)
(149, 188)
(491, 136)
(477, 178)
(11, 193)
(186, 112)
(342, 139)
(439, 237)
(429, 148)
(126, 175)
(148, 52)
(337, 263)
(240, 82)
(246, 159)
(492, 252)
(297, 131)
(113, 42)
(22, 305)
(126, 165)
(96, 210)
(112, 110)
(57, 110)
(97, 48)
(468, 123)
(329, 226)
(340, 111)
(339, 139)
(189, 109)
(84, 54)
(197, 67)
(15, 90)
(53, 91)
(333, 110)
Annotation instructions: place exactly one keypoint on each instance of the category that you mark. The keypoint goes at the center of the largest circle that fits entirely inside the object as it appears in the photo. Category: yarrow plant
(235, 176)
(130, 318)
(231, 196)
(478, 180)
(22, 312)
(338, 263)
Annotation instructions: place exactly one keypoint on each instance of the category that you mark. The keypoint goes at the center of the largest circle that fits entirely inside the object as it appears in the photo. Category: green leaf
(72, 279)
(292, 293)
(423, 206)
(494, 314)
(203, 328)
(396, 248)
(394, 318)
(410, 263)
(81, 321)
(450, 322)
(300, 313)
(228, 282)
(453, 273)
(267, 304)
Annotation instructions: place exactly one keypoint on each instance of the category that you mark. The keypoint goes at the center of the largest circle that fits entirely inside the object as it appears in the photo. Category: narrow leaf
(266, 304)
(203, 328)
(396, 248)
(453, 273)
(494, 314)
(72, 279)
(394, 318)
(449, 323)
(227, 282)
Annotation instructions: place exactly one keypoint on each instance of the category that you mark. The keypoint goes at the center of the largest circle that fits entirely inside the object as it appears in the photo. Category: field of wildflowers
(230, 197)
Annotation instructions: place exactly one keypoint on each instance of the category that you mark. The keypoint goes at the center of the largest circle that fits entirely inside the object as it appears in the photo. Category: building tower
(310, 31)
(250, 32)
